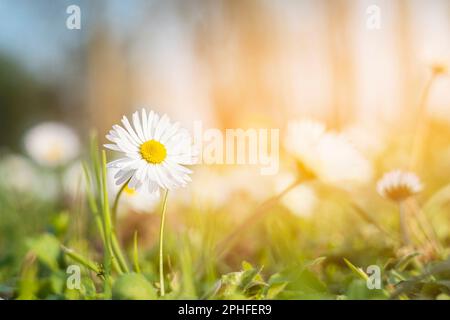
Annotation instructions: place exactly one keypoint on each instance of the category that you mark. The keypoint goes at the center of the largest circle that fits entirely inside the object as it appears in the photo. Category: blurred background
(230, 64)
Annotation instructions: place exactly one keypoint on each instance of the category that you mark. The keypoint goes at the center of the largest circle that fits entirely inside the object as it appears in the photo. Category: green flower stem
(92, 203)
(135, 253)
(118, 252)
(422, 124)
(369, 219)
(116, 202)
(108, 255)
(404, 224)
(80, 259)
(228, 243)
(114, 241)
(161, 244)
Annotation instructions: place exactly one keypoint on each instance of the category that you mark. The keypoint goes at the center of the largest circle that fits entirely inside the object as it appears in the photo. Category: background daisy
(52, 144)
(325, 155)
(398, 185)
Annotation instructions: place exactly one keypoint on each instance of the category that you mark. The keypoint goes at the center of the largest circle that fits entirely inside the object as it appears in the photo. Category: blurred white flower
(52, 144)
(327, 156)
(154, 152)
(131, 200)
(19, 175)
(398, 185)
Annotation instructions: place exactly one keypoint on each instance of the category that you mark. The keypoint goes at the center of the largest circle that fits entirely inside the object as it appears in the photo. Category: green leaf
(46, 248)
(404, 261)
(275, 289)
(136, 253)
(133, 286)
(315, 262)
(358, 271)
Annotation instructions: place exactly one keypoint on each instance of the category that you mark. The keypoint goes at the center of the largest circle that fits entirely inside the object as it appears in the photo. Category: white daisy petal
(112, 147)
(118, 163)
(145, 125)
(161, 127)
(170, 132)
(177, 167)
(154, 124)
(129, 129)
(137, 126)
(149, 129)
(124, 177)
(125, 136)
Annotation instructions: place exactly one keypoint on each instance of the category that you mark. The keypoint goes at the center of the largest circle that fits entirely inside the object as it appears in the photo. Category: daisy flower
(326, 155)
(155, 152)
(52, 144)
(398, 185)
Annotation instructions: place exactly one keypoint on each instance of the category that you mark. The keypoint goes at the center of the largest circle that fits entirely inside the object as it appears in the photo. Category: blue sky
(34, 31)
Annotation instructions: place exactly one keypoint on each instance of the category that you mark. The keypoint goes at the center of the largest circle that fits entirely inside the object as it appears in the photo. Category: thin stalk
(421, 125)
(368, 218)
(96, 161)
(98, 218)
(114, 241)
(161, 244)
(135, 253)
(228, 243)
(425, 226)
(92, 203)
(80, 259)
(403, 223)
(118, 252)
(108, 256)
(116, 202)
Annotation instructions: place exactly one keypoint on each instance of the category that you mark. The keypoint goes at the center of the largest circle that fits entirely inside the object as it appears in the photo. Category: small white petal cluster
(328, 155)
(52, 144)
(154, 152)
(398, 185)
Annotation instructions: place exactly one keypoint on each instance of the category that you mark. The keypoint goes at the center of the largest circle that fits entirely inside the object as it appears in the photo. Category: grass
(210, 252)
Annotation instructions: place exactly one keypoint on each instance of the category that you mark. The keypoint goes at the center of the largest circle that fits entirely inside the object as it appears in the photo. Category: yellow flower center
(153, 151)
(129, 191)
(54, 153)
